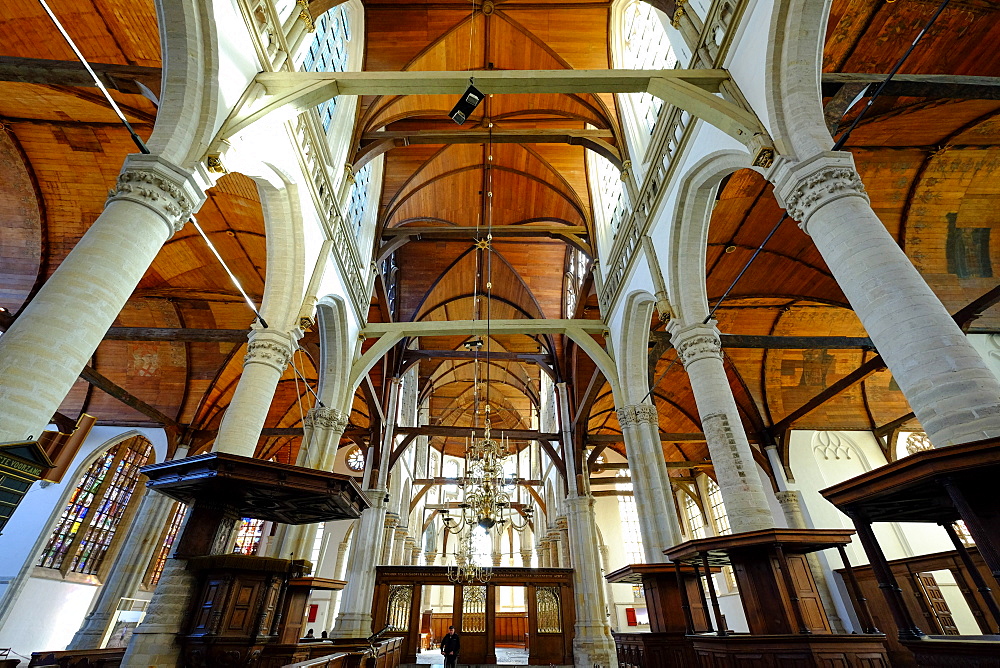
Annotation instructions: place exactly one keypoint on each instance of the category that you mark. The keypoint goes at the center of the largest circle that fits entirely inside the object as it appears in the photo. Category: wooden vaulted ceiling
(930, 164)
(454, 184)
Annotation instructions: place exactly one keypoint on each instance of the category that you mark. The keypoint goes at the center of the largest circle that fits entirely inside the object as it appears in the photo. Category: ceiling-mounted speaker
(466, 104)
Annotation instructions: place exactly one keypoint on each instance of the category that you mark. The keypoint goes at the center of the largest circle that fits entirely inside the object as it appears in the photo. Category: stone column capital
(562, 524)
(634, 415)
(149, 180)
(805, 187)
(271, 348)
(391, 520)
(695, 342)
(323, 417)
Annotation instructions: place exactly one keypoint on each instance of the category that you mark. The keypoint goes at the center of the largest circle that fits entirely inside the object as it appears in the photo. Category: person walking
(449, 647)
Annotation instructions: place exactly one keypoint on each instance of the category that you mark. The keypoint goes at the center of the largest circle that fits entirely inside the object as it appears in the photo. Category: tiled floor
(506, 656)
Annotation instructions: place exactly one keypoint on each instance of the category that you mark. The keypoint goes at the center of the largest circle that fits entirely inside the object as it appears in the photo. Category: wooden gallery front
(403, 607)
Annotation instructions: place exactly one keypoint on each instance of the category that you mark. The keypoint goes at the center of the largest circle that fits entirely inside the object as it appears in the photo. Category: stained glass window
(631, 535)
(248, 536)
(173, 527)
(103, 498)
(328, 53)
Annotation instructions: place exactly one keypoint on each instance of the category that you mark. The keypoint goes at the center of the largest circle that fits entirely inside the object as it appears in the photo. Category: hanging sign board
(21, 464)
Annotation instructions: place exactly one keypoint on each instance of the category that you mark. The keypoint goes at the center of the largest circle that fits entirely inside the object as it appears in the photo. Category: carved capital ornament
(696, 342)
(636, 414)
(805, 187)
(269, 351)
(158, 185)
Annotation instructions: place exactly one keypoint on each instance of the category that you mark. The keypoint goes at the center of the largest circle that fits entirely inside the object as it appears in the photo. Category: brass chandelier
(486, 492)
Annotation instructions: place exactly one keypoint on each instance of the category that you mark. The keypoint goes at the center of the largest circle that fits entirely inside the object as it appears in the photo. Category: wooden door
(936, 604)
(809, 600)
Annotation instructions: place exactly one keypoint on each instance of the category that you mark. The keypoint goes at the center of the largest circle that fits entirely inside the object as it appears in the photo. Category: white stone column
(125, 576)
(565, 550)
(398, 544)
(338, 570)
(658, 521)
(268, 354)
(43, 352)
(526, 557)
(947, 384)
(700, 349)
(609, 591)
(592, 643)
(355, 617)
(388, 529)
(543, 554)
(430, 558)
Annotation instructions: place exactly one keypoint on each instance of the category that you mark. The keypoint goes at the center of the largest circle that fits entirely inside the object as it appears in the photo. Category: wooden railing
(81, 658)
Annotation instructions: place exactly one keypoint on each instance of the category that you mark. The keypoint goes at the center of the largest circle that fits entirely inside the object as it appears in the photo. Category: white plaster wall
(47, 615)
(817, 463)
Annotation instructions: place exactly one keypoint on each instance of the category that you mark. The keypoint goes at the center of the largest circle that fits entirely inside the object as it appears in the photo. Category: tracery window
(645, 47)
(474, 609)
(695, 520)
(717, 509)
(355, 459)
(631, 535)
(169, 535)
(357, 199)
(609, 194)
(103, 500)
(547, 609)
(328, 53)
(576, 272)
(400, 597)
(317, 547)
(248, 536)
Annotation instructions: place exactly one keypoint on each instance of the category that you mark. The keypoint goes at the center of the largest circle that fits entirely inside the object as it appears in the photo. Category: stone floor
(506, 656)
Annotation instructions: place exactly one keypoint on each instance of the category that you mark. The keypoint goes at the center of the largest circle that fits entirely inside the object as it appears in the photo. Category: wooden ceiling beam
(397, 237)
(498, 231)
(963, 317)
(782, 342)
(177, 334)
(693, 91)
(462, 432)
(112, 389)
(374, 144)
(530, 358)
(919, 85)
(666, 437)
(124, 78)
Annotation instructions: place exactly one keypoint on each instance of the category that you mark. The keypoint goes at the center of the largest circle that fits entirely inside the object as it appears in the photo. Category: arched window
(103, 501)
(357, 199)
(631, 535)
(328, 52)
(609, 202)
(717, 509)
(169, 535)
(317, 547)
(645, 46)
(695, 520)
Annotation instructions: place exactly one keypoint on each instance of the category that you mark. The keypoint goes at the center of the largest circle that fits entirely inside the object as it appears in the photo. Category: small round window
(356, 459)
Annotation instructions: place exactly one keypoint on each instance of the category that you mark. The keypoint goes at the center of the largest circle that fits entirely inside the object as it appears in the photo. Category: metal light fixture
(466, 104)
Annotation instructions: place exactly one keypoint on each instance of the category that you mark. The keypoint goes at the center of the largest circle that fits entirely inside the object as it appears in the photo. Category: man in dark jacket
(449, 647)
